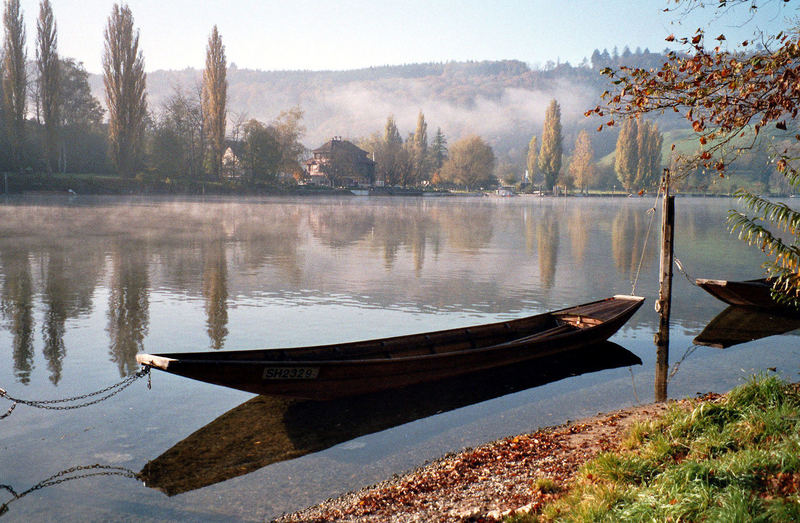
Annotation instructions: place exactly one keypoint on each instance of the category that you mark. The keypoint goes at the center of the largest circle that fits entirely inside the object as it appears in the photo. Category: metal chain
(677, 365)
(53, 404)
(683, 271)
(64, 476)
(9, 411)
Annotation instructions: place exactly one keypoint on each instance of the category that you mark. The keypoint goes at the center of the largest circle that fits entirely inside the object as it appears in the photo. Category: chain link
(683, 271)
(10, 409)
(109, 391)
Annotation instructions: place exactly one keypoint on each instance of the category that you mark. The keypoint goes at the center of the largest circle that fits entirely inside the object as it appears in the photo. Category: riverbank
(487, 482)
(729, 442)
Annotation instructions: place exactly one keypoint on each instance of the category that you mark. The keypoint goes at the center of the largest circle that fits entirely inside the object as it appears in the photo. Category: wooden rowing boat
(747, 293)
(271, 429)
(349, 369)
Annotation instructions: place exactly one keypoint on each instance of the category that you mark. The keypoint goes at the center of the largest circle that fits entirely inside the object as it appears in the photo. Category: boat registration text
(290, 373)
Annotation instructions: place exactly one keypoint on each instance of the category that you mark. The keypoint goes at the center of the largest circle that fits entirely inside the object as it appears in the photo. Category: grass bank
(732, 458)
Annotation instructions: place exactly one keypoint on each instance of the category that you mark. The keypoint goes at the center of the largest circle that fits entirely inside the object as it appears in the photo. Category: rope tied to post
(651, 212)
(70, 403)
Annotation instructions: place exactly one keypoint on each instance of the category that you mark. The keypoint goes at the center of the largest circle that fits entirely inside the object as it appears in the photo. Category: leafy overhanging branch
(727, 96)
(722, 94)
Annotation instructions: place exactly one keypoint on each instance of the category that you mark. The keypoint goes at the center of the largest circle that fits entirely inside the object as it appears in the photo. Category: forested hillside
(503, 101)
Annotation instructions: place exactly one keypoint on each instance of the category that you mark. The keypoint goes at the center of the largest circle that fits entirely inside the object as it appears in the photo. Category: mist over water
(87, 283)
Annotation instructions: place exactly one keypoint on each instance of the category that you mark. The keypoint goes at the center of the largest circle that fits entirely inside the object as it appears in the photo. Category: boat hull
(361, 368)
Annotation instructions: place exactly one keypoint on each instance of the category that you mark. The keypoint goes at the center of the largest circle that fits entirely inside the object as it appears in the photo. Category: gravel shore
(484, 483)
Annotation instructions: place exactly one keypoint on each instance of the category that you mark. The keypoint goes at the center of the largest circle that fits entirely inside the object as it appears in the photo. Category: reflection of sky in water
(84, 287)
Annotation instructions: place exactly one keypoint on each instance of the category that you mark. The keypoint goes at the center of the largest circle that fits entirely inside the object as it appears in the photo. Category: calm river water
(86, 283)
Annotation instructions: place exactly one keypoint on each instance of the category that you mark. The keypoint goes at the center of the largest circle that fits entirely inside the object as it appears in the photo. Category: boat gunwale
(724, 283)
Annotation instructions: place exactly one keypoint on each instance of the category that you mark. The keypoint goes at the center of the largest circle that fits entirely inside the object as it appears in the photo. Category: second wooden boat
(348, 369)
(748, 293)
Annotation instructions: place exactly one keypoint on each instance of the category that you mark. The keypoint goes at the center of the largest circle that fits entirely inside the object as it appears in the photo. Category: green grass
(736, 459)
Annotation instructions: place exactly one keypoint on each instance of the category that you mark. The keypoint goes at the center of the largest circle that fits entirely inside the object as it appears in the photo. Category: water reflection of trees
(271, 236)
(547, 246)
(469, 228)
(394, 228)
(16, 305)
(128, 303)
(628, 233)
(340, 226)
(71, 276)
(55, 314)
(578, 226)
(215, 292)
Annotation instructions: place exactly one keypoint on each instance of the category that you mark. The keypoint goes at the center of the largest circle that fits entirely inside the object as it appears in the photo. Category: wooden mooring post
(665, 289)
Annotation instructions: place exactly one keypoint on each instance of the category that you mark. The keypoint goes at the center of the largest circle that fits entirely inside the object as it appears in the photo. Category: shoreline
(488, 482)
(70, 185)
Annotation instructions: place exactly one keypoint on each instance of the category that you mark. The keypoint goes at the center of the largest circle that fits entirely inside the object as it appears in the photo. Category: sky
(351, 34)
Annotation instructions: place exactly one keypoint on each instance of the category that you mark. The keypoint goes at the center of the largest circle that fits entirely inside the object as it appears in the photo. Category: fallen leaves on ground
(487, 482)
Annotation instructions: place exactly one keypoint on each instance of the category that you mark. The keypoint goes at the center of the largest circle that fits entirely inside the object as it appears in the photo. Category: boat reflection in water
(270, 429)
(737, 325)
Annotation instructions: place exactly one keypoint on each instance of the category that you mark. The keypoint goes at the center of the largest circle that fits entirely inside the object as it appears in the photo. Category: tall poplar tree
(419, 150)
(648, 142)
(637, 159)
(125, 84)
(533, 156)
(215, 97)
(626, 155)
(15, 79)
(47, 65)
(392, 159)
(550, 154)
(581, 168)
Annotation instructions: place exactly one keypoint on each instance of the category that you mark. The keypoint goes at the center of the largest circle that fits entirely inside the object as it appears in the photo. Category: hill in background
(502, 101)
